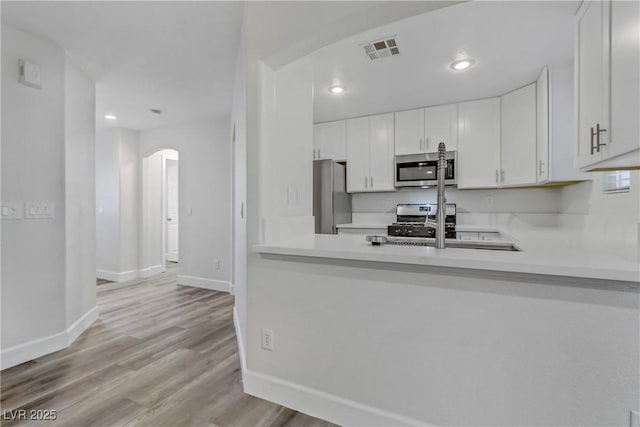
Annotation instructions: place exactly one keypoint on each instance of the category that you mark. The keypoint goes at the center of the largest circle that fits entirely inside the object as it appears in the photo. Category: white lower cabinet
(479, 143)
(518, 138)
(370, 154)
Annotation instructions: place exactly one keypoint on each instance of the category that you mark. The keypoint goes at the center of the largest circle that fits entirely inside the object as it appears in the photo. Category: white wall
(48, 286)
(117, 200)
(80, 191)
(129, 177)
(286, 133)
(530, 200)
(238, 127)
(205, 197)
(442, 348)
(107, 201)
(586, 209)
(151, 248)
(33, 162)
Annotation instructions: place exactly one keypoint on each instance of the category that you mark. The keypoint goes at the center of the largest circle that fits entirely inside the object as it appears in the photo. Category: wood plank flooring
(161, 354)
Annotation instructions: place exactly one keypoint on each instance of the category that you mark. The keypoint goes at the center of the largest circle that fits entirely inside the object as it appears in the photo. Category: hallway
(161, 354)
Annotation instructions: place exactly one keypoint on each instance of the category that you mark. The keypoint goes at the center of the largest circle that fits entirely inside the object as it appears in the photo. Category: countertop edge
(534, 269)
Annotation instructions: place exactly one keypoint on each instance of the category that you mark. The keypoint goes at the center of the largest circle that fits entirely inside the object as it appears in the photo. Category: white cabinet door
(625, 84)
(518, 138)
(441, 125)
(409, 132)
(542, 126)
(591, 82)
(479, 143)
(329, 140)
(357, 154)
(381, 157)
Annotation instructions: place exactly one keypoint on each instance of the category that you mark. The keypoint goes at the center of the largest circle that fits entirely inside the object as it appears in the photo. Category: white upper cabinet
(625, 81)
(409, 132)
(358, 154)
(518, 142)
(607, 56)
(441, 125)
(329, 140)
(381, 154)
(479, 143)
(542, 126)
(370, 153)
(591, 77)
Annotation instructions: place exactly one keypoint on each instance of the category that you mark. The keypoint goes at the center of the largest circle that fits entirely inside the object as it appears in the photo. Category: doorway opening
(160, 212)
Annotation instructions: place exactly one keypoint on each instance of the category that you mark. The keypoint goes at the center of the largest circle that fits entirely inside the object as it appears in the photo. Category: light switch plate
(12, 210)
(29, 74)
(39, 210)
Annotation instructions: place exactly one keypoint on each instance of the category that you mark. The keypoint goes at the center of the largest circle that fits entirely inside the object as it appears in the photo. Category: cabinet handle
(314, 154)
(426, 144)
(242, 210)
(540, 164)
(318, 153)
(497, 177)
(501, 175)
(598, 131)
(371, 181)
(365, 182)
(593, 148)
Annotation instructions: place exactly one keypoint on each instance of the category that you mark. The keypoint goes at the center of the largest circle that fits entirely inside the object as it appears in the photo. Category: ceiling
(510, 41)
(176, 56)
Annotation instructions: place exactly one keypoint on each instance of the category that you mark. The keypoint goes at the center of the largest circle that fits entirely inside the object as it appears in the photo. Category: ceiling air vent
(384, 48)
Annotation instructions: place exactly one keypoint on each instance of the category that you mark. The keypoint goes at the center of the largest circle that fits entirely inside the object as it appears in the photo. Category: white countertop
(471, 228)
(357, 225)
(545, 251)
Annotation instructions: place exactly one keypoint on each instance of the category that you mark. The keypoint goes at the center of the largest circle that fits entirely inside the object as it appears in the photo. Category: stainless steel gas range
(410, 221)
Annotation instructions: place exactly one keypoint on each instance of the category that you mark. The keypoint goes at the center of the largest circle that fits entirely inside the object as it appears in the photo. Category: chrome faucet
(438, 224)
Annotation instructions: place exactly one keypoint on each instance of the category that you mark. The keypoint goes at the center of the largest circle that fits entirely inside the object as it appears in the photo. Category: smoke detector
(383, 48)
(156, 111)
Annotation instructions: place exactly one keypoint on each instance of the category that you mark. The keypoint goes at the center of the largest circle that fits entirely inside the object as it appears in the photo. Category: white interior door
(172, 210)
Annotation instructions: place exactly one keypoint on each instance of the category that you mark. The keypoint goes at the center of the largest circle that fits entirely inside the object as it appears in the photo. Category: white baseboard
(81, 325)
(243, 359)
(21, 353)
(201, 282)
(319, 404)
(123, 276)
(150, 271)
(116, 276)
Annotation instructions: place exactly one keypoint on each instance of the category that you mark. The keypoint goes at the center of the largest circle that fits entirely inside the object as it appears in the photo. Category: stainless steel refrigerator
(331, 202)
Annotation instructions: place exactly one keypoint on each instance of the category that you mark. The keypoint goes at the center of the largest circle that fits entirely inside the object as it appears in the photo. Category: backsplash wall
(512, 200)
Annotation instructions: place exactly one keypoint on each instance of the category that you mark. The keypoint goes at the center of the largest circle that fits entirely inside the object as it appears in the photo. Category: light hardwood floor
(161, 354)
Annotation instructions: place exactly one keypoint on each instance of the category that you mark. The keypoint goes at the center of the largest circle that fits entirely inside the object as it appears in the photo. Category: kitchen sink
(493, 245)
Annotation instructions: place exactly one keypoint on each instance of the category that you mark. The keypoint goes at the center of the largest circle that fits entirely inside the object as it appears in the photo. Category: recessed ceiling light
(336, 89)
(110, 117)
(462, 64)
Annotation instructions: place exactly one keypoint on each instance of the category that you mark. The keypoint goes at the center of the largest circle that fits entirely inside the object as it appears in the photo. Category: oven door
(421, 170)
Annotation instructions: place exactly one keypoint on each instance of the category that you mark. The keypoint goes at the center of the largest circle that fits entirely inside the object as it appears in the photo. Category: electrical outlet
(267, 339)
(216, 264)
(635, 419)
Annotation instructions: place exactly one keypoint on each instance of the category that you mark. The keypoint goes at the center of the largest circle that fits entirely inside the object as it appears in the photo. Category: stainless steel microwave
(421, 170)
